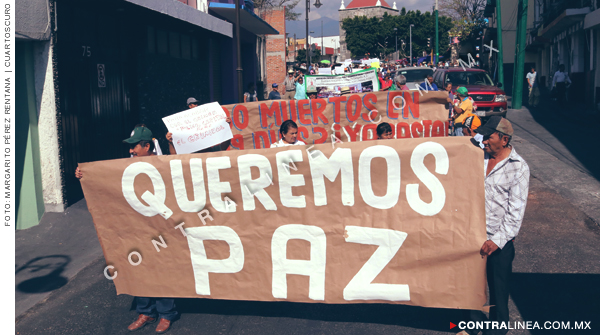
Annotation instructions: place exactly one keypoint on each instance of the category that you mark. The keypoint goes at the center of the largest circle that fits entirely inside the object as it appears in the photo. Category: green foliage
(467, 17)
(290, 5)
(377, 37)
(301, 56)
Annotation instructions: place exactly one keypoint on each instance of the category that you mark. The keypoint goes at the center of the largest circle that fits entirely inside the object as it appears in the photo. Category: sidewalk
(49, 255)
(552, 140)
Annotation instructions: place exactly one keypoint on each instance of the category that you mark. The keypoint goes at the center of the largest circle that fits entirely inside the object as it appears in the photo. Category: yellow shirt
(467, 107)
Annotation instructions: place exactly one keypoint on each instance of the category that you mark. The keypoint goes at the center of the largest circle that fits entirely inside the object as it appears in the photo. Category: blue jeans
(153, 307)
(458, 131)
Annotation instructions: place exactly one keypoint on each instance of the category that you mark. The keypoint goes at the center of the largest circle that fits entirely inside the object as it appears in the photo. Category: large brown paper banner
(350, 118)
(396, 221)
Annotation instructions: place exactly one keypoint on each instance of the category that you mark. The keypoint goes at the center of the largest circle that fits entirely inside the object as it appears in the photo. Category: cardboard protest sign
(346, 118)
(394, 222)
(198, 128)
(324, 70)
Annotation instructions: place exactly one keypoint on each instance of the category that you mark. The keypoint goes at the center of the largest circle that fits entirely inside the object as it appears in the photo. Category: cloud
(330, 8)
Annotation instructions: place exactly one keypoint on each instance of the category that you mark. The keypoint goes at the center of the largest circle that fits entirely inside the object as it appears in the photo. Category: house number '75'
(87, 51)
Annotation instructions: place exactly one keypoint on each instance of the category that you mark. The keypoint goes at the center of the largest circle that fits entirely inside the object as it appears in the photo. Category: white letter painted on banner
(314, 268)
(360, 287)
(365, 186)
(215, 186)
(202, 265)
(155, 201)
(320, 167)
(199, 191)
(255, 188)
(438, 194)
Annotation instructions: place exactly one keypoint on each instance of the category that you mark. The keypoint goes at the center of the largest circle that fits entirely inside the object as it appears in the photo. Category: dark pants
(561, 91)
(499, 269)
(153, 307)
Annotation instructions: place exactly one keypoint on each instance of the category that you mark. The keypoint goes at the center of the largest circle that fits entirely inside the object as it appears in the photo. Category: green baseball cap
(462, 91)
(139, 134)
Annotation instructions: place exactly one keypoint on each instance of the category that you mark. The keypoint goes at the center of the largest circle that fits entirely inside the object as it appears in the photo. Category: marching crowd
(506, 189)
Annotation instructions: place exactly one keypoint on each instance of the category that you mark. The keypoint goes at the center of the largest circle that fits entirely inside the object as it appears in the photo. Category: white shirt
(281, 143)
(506, 190)
(531, 77)
(560, 77)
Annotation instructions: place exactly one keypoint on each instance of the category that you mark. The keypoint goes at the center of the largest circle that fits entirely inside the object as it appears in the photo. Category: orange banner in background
(350, 118)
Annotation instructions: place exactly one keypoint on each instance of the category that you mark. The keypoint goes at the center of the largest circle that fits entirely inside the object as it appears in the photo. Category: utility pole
(410, 28)
(520, 56)
(239, 53)
(499, 38)
(437, 42)
(396, 33)
(322, 46)
(295, 55)
(307, 56)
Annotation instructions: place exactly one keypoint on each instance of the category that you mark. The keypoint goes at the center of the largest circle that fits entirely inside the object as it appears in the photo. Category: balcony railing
(553, 9)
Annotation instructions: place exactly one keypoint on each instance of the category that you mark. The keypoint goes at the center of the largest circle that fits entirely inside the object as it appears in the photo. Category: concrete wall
(47, 127)
(509, 28)
(29, 202)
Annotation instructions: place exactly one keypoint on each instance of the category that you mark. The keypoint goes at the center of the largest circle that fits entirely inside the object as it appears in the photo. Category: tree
(377, 36)
(301, 56)
(467, 16)
(290, 15)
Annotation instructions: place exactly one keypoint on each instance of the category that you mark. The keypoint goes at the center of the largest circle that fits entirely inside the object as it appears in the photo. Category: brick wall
(276, 45)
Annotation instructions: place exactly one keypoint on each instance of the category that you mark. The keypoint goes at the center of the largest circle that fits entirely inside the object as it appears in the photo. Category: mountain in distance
(331, 27)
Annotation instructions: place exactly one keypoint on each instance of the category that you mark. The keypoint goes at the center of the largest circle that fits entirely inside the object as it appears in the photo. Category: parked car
(489, 98)
(415, 75)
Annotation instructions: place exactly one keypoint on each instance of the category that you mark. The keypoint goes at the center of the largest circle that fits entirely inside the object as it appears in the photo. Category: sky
(330, 7)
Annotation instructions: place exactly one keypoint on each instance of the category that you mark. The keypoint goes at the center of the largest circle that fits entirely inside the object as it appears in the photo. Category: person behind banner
(289, 135)
(312, 93)
(274, 94)
(156, 150)
(289, 85)
(506, 190)
(449, 105)
(429, 85)
(149, 309)
(384, 131)
(462, 110)
(399, 83)
(251, 94)
(300, 89)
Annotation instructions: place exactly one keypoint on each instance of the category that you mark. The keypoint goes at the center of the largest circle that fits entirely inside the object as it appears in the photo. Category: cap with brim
(291, 71)
(462, 90)
(494, 124)
(274, 85)
(192, 101)
(139, 134)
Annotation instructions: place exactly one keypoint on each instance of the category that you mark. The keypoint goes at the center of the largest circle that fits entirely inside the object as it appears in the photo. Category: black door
(94, 73)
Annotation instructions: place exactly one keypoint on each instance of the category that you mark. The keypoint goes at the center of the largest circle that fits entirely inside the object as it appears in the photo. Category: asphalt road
(556, 276)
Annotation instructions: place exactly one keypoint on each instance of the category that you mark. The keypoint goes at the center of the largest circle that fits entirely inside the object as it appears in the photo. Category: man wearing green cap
(150, 309)
(141, 142)
(462, 110)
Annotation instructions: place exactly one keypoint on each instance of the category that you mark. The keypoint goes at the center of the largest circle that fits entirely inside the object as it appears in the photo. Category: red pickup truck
(489, 98)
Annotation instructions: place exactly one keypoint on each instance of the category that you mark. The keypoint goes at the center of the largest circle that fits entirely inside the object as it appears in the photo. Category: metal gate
(94, 89)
